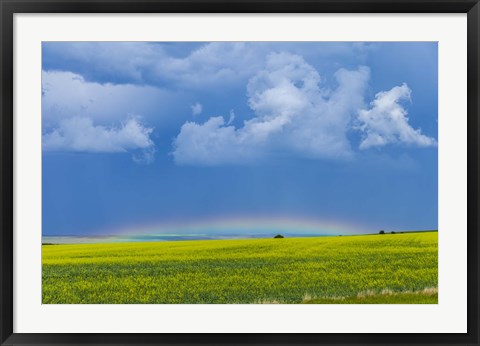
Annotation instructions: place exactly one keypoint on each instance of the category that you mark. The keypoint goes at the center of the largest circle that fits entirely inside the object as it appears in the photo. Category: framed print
(239, 173)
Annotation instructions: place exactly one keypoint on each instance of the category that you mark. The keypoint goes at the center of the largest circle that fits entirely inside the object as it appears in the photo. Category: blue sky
(325, 137)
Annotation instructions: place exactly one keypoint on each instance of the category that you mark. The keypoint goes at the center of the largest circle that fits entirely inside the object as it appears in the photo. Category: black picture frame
(10, 7)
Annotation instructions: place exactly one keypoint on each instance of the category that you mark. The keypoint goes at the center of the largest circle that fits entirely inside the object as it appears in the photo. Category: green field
(384, 269)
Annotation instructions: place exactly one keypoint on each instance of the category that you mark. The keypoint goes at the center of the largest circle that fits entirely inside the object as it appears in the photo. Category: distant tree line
(383, 232)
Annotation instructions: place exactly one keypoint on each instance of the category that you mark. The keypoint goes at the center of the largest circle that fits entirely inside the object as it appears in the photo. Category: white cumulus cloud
(292, 114)
(83, 116)
(387, 121)
(79, 134)
(196, 108)
(232, 117)
(212, 143)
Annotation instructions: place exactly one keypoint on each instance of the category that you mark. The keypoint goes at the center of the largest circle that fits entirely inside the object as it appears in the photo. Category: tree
(279, 236)
(381, 232)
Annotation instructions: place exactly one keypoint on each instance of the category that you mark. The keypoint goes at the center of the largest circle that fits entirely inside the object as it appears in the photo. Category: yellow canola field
(389, 268)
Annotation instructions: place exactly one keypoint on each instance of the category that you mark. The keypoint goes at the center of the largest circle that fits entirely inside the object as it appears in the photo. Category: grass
(425, 296)
(384, 269)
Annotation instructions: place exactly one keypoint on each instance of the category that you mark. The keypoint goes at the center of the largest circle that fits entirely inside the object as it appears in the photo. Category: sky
(238, 137)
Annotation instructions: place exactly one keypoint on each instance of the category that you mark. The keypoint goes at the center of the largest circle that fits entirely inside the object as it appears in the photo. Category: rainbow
(247, 224)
